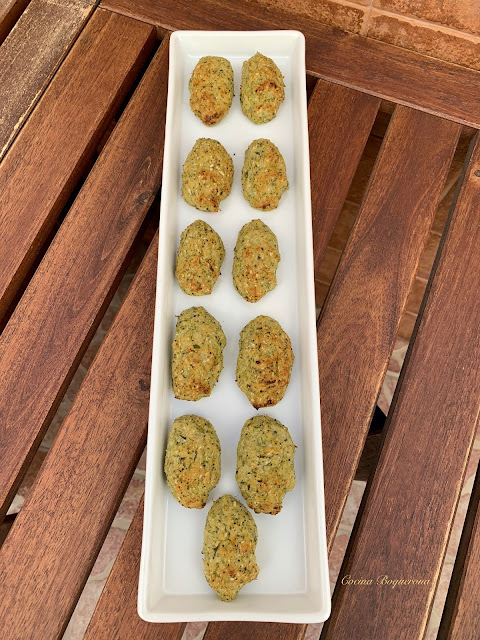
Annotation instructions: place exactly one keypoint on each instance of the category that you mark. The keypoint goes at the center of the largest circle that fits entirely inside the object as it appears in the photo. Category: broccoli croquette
(199, 259)
(197, 354)
(262, 90)
(264, 176)
(192, 460)
(207, 175)
(211, 89)
(264, 363)
(255, 261)
(265, 471)
(229, 543)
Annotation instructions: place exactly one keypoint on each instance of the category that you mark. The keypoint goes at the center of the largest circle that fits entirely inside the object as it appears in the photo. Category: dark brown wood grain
(461, 615)
(10, 11)
(360, 317)
(42, 166)
(254, 631)
(82, 480)
(116, 614)
(409, 506)
(361, 63)
(31, 54)
(339, 122)
(65, 299)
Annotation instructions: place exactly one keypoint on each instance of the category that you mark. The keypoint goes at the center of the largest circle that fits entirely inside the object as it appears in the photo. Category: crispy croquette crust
(265, 471)
(264, 176)
(197, 354)
(211, 89)
(192, 460)
(255, 261)
(229, 542)
(199, 259)
(262, 90)
(207, 175)
(264, 363)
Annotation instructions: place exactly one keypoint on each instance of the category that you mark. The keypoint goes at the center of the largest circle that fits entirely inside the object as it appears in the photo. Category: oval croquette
(197, 354)
(262, 90)
(211, 89)
(255, 261)
(192, 460)
(229, 542)
(199, 259)
(265, 471)
(207, 175)
(264, 363)
(264, 176)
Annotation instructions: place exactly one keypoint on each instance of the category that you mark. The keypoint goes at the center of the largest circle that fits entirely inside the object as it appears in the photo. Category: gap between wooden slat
(340, 121)
(9, 14)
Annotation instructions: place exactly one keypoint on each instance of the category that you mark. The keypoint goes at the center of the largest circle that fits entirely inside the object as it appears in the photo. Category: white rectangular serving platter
(293, 583)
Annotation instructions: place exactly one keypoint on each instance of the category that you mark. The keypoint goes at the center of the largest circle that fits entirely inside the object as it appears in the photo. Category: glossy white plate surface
(293, 584)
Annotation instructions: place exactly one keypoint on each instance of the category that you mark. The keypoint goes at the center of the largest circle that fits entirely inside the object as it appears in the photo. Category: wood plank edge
(455, 590)
(11, 16)
(163, 28)
(57, 66)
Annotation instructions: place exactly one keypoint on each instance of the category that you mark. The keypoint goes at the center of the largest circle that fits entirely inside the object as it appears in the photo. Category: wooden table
(68, 70)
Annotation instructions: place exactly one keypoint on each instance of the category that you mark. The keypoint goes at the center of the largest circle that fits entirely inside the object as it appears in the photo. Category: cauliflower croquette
(207, 175)
(265, 471)
(211, 89)
(229, 542)
(264, 176)
(262, 90)
(255, 261)
(264, 363)
(199, 259)
(192, 460)
(197, 354)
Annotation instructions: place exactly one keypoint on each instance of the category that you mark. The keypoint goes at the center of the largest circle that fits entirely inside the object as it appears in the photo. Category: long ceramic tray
(293, 584)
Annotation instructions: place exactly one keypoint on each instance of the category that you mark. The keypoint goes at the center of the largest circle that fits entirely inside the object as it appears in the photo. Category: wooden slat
(47, 334)
(82, 480)
(31, 54)
(340, 121)
(116, 614)
(38, 173)
(254, 631)
(360, 317)
(367, 65)
(10, 11)
(409, 506)
(461, 616)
